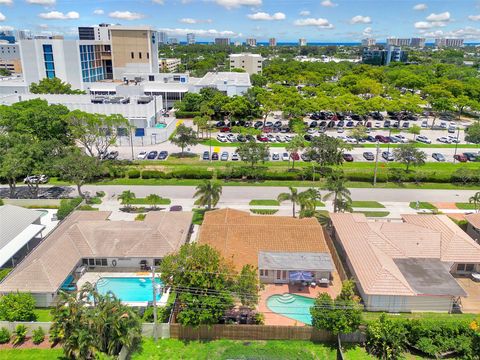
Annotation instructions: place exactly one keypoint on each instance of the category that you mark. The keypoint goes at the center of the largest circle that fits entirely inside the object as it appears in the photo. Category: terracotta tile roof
(474, 220)
(89, 234)
(240, 236)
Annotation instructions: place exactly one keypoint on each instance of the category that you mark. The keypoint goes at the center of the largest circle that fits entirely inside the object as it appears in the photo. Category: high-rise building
(162, 37)
(251, 42)
(369, 42)
(222, 41)
(24, 35)
(302, 42)
(417, 42)
(384, 57)
(251, 63)
(398, 42)
(173, 41)
(190, 39)
(442, 42)
(272, 42)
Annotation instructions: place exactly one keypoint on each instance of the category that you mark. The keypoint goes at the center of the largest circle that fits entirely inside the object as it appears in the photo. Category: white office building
(251, 42)
(369, 42)
(230, 83)
(162, 37)
(190, 39)
(251, 63)
(443, 42)
(302, 42)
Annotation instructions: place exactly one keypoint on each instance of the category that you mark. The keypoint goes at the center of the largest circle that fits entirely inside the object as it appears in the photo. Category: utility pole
(154, 290)
(376, 164)
(456, 144)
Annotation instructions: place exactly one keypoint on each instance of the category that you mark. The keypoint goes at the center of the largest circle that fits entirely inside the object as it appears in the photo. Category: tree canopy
(53, 86)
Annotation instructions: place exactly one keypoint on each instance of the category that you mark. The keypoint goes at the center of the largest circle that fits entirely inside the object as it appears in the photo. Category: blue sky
(287, 20)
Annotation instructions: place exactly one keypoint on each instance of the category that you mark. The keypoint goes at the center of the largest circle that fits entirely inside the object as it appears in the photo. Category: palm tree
(153, 199)
(336, 185)
(208, 193)
(475, 200)
(293, 196)
(308, 201)
(127, 198)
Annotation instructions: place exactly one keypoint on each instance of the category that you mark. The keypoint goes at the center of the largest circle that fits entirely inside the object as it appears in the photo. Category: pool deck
(272, 318)
(92, 277)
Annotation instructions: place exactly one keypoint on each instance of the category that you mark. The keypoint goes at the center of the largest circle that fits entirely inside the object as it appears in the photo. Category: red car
(225, 129)
(262, 138)
(382, 139)
(267, 129)
(294, 156)
(348, 157)
(460, 157)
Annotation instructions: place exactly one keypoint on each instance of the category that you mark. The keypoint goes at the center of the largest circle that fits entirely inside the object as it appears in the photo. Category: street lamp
(456, 144)
(376, 164)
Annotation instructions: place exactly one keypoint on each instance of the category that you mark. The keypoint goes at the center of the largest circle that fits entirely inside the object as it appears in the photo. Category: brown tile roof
(89, 234)
(371, 247)
(240, 236)
(474, 220)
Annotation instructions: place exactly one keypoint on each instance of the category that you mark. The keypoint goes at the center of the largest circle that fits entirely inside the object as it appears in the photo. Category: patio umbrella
(300, 276)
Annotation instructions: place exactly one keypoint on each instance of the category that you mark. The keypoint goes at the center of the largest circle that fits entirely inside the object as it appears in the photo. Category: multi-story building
(99, 33)
(24, 35)
(173, 41)
(368, 42)
(222, 41)
(384, 57)
(443, 42)
(251, 63)
(272, 42)
(302, 42)
(169, 64)
(10, 57)
(398, 42)
(190, 39)
(417, 42)
(251, 42)
(162, 37)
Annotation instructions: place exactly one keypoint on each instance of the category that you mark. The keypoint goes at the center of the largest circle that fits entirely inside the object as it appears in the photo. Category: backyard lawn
(465, 206)
(43, 315)
(29, 354)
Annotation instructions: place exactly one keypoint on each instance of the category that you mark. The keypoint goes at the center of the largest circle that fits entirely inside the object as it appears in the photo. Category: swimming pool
(128, 289)
(293, 306)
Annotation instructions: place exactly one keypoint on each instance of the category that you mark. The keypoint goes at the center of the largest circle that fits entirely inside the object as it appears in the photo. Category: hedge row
(187, 114)
(67, 206)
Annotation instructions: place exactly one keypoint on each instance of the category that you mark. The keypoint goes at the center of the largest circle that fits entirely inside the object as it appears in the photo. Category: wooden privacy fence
(335, 257)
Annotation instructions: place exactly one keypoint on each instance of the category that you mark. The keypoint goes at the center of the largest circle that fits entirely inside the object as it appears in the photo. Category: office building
(369, 42)
(417, 42)
(272, 42)
(442, 42)
(162, 37)
(251, 63)
(302, 42)
(222, 41)
(169, 64)
(10, 57)
(384, 57)
(98, 33)
(190, 39)
(251, 42)
(398, 42)
(173, 41)
(24, 35)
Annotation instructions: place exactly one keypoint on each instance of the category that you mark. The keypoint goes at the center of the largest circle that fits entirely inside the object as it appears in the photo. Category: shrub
(100, 194)
(264, 211)
(133, 174)
(38, 336)
(187, 114)
(20, 334)
(67, 206)
(87, 208)
(4, 272)
(192, 173)
(386, 338)
(4, 335)
(17, 307)
(140, 217)
(1, 202)
(152, 174)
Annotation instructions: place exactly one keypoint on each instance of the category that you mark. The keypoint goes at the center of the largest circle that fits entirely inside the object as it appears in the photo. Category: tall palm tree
(208, 193)
(127, 198)
(293, 196)
(308, 200)
(336, 185)
(153, 199)
(475, 200)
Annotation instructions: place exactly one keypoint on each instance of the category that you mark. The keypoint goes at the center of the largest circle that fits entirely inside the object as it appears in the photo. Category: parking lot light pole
(376, 164)
(456, 144)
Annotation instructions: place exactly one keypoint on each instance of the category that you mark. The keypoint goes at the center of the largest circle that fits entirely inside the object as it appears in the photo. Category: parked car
(275, 156)
(163, 155)
(423, 139)
(424, 124)
(176, 208)
(280, 138)
(452, 129)
(406, 125)
(262, 138)
(305, 157)
(348, 157)
(460, 158)
(271, 138)
(285, 156)
(241, 138)
(387, 155)
(152, 155)
(225, 129)
(258, 125)
(222, 138)
(438, 157)
(444, 139)
(36, 179)
(378, 124)
(235, 157)
(224, 156)
(142, 155)
(382, 139)
(232, 137)
(368, 156)
(386, 123)
(295, 156)
(206, 155)
(215, 155)
(470, 156)
(349, 124)
(313, 124)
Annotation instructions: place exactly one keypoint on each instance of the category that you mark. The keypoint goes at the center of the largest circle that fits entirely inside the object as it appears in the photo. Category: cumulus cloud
(320, 22)
(42, 2)
(210, 33)
(423, 25)
(98, 12)
(420, 7)
(462, 33)
(445, 16)
(304, 13)
(263, 16)
(6, 28)
(359, 19)
(328, 3)
(6, 2)
(230, 4)
(126, 15)
(195, 21)
(2, 17)
(433, 20)
(474, 17)
(57, 15)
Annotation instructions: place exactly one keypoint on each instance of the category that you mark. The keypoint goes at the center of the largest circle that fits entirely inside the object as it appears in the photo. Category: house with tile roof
(406, 266)
(89, 240)
(284, 249)
(473, 226)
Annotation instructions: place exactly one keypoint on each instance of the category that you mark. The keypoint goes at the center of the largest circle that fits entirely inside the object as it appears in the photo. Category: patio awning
(300, 276)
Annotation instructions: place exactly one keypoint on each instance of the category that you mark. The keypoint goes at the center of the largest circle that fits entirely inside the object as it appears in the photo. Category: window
(139, 55)
(148, 55)
(465, 267)
(469, 267)
(151, 78)
(132, 55)
(91, 262)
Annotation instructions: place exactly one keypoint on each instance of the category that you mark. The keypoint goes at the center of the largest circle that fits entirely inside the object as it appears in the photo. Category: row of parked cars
(153, 155)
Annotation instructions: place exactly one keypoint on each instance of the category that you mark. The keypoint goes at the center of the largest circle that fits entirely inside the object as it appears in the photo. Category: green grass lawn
(43, 315)
(31, 354)
(143, 201)
(465, 206)
(423, 205)
(261, 202)
(355, 352)
(198, 215)
(374, 213)
(367, 204)
(229, 349)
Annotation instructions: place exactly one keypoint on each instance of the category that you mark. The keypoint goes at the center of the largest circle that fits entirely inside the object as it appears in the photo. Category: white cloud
(320, 22)
(445, 16)
(6, 2)
(230, 4)
(126, 15)
(474, 17)
(210, 33)
(328, 3)
(367, 31)
(160, 2)
(359, 19)
(267, 17)
(420, 7)
(195, 21)
(57, 15)
(98, 12)
(462, 33)
(423, 25)
(42, 2)
(2, 17)
(304, 13)
(6, 28)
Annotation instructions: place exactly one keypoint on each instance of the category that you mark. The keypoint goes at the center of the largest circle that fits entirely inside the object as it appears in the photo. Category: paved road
(243, 194)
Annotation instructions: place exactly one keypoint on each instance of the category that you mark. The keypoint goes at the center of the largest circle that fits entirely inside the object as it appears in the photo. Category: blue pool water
(295, 307)
(128, 289)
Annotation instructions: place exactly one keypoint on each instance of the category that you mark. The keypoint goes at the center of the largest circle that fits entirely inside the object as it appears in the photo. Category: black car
(305, 157)
(313, 124)
(206, 155)
(152, 155)
(258, 124)
(368, 156)
(163, 155)
(214, 156)
(386, 123)
(220, 124)
(349, 124)
(470, 156)
(277, 124)
(322, 124)
(176, 208)
(371, 138)
(307, 137)
(331, 124)
(241, 138)
(341, 123)
(250, 138)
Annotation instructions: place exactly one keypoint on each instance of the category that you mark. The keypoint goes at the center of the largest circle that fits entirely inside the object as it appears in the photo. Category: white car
(222, 138)
(340, 130)
(142, 155)
(285, 156)
(423, 139)
(378, 124)
(453, 139)
(288, 138)
(311, 131)
(424, 123)
(235, 157)
(232, 137)
(271, 138)
(444, 139)
(443, 125)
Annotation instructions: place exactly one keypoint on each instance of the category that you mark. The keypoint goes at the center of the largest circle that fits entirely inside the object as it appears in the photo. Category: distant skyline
(286, 20)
